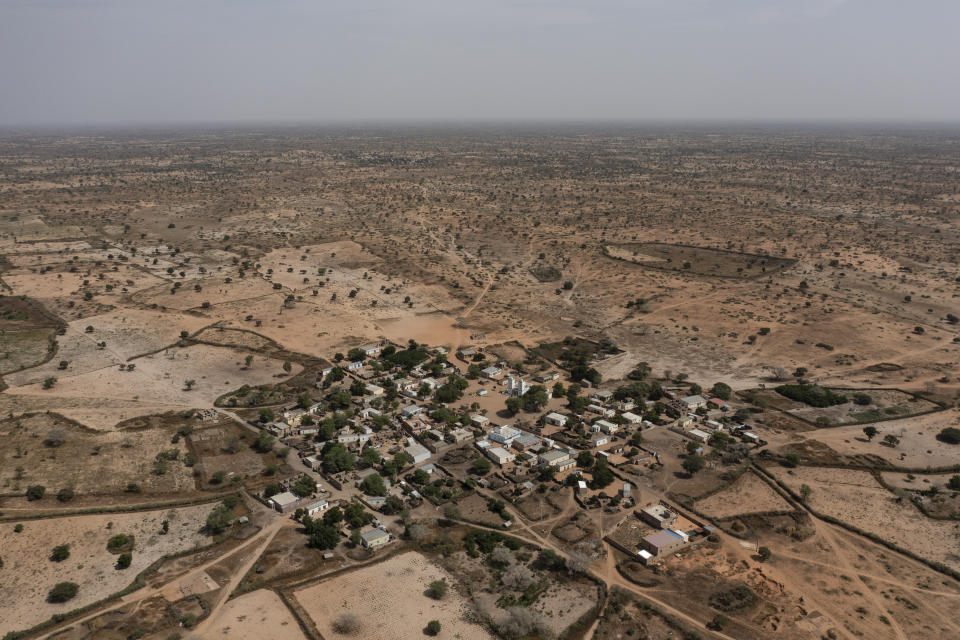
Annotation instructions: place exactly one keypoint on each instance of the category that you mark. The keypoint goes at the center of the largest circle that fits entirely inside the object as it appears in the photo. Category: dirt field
(390, 601)
(748, 494)
(253, 616)
(30, 573)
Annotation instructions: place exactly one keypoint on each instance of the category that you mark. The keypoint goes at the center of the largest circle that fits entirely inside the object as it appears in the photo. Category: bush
(433, 628)
(124, 560)
(65, 494)
(764, 553)
(737, 598)
(60, 553)
(950, 435)
(373, 485)
(694, 463)
(811, 394)
(62, 591)
(219, 519)
(35, 492)
(120, 542)
(438, 589)
(347, 623)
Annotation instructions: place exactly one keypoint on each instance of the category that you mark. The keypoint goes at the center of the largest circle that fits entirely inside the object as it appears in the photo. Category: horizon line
(254, 124)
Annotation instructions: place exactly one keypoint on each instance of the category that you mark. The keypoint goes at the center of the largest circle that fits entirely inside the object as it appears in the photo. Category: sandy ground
(29, 574)
(390, 600)
(749, 494)
(254, 616)
(855, 498)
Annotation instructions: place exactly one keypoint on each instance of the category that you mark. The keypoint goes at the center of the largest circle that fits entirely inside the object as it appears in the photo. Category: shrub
(950, 435)
(219, 519)
(35, 492)
(119, 543)
(347, 623)
(62, 591)
(811, 395)
(433, 628)
(60, 553)
(438, 589)
(736, 598)
(693, 463)
(124, 560)
(65, 494)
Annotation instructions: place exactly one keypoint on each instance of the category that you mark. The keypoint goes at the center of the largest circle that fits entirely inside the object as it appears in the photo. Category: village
(393, 427)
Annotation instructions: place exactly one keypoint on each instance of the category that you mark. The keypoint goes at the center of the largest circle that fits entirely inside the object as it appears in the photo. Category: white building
(606, 427)
(417, 451)
(500, 455)
(317, 507)
(504, 434)
(557, 419)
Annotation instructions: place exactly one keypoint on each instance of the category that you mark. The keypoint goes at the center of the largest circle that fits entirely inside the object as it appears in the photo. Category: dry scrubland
(87, 461)
(319, 241)
(29, 573)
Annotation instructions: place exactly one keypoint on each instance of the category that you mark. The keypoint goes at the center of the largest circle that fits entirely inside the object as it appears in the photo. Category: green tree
(35, 492)
(602, 475)
(720, 440)
(124, 560)
(721, 390)
(373, 485)
(356, 516)
(219, 519)
(514, 405)
(481, 466)
(336, 457)
(65, 494)
(370, 456)
(764, 553)
(535, 399)
(694, 463)
(433, 628)
(266, 415)
(870, 431)
(264, 442)
(324, 537)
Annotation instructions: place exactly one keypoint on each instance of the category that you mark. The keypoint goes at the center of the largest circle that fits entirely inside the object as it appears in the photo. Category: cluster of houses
(515, 447)
(657, 530)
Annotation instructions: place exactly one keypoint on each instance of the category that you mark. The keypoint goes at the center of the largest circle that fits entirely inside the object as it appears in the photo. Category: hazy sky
(176, 61)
